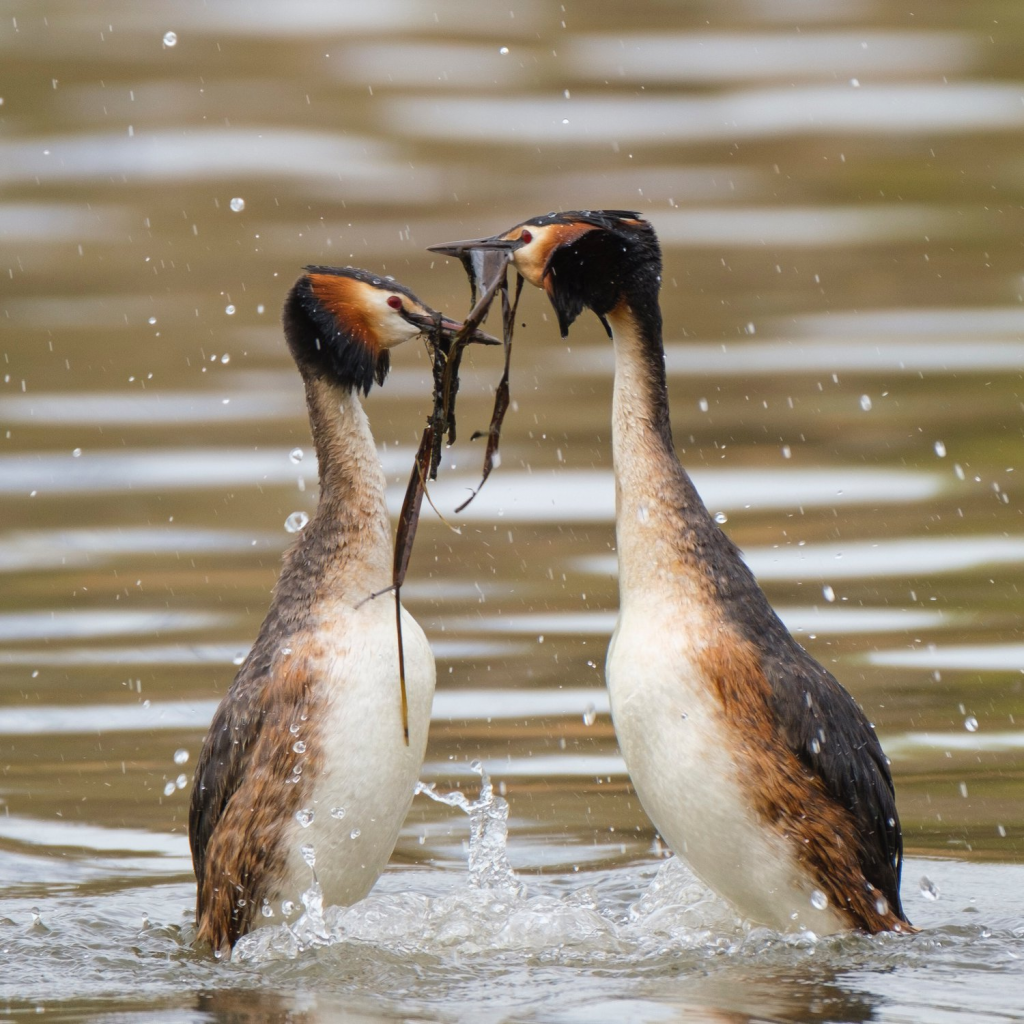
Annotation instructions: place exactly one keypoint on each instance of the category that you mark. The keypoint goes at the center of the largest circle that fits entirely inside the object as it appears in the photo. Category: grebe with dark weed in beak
(306, 751)
(753, 762)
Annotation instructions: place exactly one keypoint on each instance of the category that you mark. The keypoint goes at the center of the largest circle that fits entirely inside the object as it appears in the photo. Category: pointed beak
(484, 259)
(449, 328)
(460, 250)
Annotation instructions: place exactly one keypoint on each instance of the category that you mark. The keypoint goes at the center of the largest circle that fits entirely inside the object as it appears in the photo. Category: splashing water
(489, 866)
(296, 522)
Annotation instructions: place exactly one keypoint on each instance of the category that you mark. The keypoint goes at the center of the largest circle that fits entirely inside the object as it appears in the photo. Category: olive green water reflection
(838, 190)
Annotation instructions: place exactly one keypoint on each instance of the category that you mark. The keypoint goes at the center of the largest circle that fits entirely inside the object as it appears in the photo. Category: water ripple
(868, 559)
(737, 56)
(87, 623)
(973, 657)
(961, 108)
(837, 354)
(825, 619)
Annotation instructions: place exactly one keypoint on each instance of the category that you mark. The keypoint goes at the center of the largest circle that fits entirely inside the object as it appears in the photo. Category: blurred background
(837, 187)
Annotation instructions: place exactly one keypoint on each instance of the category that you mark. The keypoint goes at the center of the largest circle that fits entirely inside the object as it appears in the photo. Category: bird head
(341, 324)
(581, 259)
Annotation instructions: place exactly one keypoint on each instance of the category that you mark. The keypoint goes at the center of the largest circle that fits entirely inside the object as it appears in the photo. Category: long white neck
(656, 504)
(347, 546)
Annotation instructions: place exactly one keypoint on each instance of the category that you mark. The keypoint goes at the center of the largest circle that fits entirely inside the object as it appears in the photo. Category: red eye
(394, 302)
(526, 238)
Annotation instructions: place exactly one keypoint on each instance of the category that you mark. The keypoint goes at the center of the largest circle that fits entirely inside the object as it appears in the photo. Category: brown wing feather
(246, 792)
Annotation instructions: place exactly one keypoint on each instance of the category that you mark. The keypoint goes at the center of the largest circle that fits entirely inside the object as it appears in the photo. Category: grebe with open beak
(753, 762)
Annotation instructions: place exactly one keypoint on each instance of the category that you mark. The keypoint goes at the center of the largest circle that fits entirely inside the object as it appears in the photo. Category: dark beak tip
(444, 250)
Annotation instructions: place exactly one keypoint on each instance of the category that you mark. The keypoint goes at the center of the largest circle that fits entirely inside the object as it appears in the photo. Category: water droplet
(230, 310)
(286, 651)
(304, 816)
(287, 908)
(296, 455)
(181, 781)
(260, 308)
(963, 789)
(589, 714)
(503, 50)
(703, 405)
(819, 900)
(476, 766)
(828, 593)
(721, 517)
(237, 204)
(865, 403)
(1001, 829)
(929, 890)
(170, 39)
(299, 746)
(296, 521)
(959, 470)
(971, 723)
(181, 756)
(76, 453)
(308, 854)
(787, 452)
(940, 449)
(565, 120)
(152, 320)
(882, 905)
(338, 813)
(238, 659)
(855, 82)
(169, 788)
(293, 728)
(355, 833)
(267, 910)
(225, 359)
(815, 746)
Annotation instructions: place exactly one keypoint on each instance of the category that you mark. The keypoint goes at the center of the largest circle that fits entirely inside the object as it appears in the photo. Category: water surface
(837, 188)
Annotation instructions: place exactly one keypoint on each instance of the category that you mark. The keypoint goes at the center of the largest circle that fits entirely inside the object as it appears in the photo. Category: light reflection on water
(600, 121)
(838, 192)
(906, 557)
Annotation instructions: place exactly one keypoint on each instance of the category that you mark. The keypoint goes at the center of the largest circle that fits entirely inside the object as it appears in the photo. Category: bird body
(306, 761)
(667, 646)
(753, 762)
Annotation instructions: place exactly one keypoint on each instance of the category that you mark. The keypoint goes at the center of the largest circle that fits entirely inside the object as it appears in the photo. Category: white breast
(680, 753)
(363, 792)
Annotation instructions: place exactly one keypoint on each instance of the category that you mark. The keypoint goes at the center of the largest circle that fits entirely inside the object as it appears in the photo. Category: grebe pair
(753, 762)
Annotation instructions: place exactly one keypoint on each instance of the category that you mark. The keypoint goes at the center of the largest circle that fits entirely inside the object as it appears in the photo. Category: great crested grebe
(307, 747)
(753, 762)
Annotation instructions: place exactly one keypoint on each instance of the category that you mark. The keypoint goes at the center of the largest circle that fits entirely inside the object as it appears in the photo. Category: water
(824, 243)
